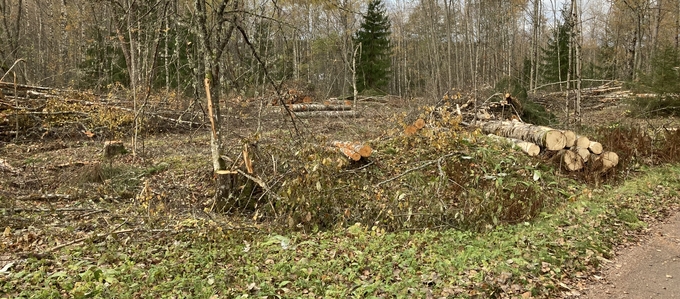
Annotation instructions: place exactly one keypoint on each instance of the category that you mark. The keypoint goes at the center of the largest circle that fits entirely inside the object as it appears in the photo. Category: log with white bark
(595, 147)
(529, 148)
(311, 114)
(318, 107)
(569, 160)
(543, 136)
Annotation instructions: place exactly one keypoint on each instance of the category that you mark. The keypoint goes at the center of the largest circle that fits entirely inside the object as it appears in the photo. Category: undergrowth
(440, 177)
(549, 256)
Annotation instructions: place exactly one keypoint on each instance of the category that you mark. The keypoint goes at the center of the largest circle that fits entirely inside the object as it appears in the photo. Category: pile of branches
(36, 112)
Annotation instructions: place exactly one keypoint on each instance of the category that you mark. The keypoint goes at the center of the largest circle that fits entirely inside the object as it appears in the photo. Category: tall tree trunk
(212, 43)
(576, 15)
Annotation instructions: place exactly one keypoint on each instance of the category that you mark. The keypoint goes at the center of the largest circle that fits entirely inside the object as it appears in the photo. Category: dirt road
(648, 270)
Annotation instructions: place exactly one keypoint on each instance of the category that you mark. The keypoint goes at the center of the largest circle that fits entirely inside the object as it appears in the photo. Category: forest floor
(78, 225)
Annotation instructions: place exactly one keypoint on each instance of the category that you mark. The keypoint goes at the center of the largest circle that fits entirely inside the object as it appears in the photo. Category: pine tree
(555, 56)
(373, 63)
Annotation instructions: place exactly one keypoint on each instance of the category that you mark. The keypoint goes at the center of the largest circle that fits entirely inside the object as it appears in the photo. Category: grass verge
(552, 254)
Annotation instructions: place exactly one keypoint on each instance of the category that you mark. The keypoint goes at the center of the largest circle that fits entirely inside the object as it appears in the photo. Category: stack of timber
(353, 150)
(310, 110)
(573, 152)
(497, 107)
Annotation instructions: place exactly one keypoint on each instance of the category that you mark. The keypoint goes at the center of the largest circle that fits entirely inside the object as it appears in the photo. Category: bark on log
(311, 114)
(528, 148)
(543, 136)
(318, 107)
(569, 160)
(595, 147)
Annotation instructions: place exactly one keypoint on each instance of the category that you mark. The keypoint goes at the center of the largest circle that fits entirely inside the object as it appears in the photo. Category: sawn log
(543, 136)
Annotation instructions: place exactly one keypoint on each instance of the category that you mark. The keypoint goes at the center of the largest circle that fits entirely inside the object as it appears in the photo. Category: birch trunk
(528, 148)
(543, 136)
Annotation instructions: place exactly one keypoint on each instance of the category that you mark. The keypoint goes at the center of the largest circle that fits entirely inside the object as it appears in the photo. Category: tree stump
(113, 148)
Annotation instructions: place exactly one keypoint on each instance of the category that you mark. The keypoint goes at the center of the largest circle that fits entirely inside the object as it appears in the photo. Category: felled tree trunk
(318, 107)
(527, 147)
(543, 136)
(309, 114)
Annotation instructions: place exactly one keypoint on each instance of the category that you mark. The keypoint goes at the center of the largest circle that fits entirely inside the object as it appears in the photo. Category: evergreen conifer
(373, 61)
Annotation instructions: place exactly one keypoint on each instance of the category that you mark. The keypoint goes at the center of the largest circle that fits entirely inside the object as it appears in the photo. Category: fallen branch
(428, 163)
(57, 210)
(45, 197)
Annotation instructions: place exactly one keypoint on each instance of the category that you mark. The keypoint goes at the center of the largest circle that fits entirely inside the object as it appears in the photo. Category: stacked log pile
(308, 110)
(573, 152)
(329, 108)
(353, 150)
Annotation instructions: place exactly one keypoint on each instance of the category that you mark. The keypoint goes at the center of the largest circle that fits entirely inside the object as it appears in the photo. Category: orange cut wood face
(410, 130)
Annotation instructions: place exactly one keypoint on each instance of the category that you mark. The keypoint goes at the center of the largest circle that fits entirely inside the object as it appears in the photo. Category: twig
(259, 182)
(360, 168)
(58, 210)
(91, 213)
(10, 68)
(46, 197)
(418, 167)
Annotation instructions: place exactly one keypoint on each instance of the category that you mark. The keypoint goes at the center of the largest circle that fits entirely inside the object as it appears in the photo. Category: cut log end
(555, 140)
(595, 147)
(584, 153)
(353, 150)
(570, 160)
(609, 159)
(570, 138)
(582, 142)
(419, 124)
(410, 130)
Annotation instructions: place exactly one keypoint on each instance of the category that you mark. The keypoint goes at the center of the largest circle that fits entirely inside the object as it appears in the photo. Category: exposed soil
(650, 269)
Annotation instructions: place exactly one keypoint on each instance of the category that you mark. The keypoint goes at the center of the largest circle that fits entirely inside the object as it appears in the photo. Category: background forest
(435, 45)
